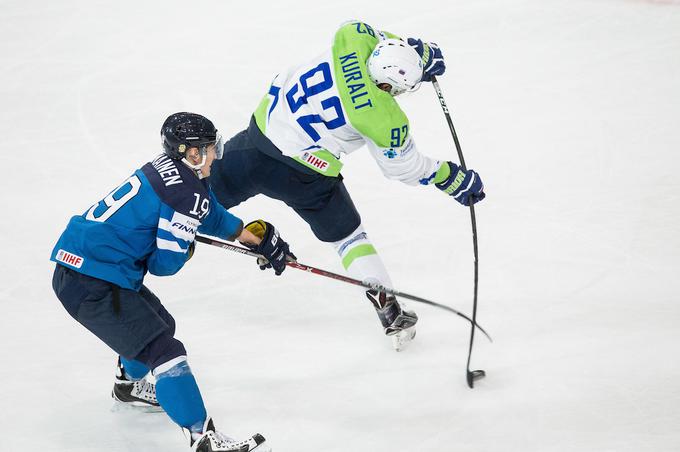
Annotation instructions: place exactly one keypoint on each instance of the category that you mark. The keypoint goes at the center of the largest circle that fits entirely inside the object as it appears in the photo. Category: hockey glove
(431, 54)
(275, 250)
(464, 186)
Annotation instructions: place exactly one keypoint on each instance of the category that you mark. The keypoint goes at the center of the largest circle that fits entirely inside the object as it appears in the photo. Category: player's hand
(274, 249)
(433, 59)
(464, 186)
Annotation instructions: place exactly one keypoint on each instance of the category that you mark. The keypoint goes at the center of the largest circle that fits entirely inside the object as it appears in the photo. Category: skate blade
(403, 338)
(135, 406)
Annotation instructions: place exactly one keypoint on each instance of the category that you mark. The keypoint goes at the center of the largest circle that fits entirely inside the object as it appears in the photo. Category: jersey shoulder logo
(69, 258)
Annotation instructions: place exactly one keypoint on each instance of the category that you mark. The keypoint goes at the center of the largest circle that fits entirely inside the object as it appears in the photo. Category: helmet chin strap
(396, 90)
(415, 87)
(197, 167)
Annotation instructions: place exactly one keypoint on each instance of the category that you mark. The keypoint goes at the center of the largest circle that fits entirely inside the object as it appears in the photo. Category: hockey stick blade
(317, 271)
(473, 376)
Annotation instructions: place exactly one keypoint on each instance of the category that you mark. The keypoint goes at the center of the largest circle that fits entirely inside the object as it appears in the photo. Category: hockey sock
(178, 393)
(134, 370)
(360, 258)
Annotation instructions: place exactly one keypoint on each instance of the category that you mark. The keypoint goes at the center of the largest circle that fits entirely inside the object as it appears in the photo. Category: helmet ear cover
(396, 63)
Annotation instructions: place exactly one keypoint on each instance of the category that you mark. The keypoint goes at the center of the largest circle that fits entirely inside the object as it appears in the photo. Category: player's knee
(360, 258)
(356, 235)
(169, 320)
(161, 350)
(171, 325)
(353, 246)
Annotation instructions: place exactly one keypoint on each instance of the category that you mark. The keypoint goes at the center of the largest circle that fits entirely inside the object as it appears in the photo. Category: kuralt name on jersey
(370, 111)
(351, 71)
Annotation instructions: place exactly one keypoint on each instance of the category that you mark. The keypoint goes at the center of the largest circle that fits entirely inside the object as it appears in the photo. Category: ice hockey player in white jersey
(324, 108)
(149, 223)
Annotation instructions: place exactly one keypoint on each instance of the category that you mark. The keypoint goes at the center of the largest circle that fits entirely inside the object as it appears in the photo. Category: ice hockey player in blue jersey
(148, 223)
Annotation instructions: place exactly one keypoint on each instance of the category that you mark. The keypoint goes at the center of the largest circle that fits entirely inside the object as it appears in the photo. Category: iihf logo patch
(69, 259)
(315, 161)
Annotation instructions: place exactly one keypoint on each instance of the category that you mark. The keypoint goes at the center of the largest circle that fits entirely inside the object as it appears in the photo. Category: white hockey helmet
(395, 62)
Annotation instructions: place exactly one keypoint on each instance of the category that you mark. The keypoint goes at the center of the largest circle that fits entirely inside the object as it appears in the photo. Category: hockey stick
(473, 375)
(338, 277)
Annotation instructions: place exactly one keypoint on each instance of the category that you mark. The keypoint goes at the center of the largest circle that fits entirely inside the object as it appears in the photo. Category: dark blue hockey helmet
(184, 130)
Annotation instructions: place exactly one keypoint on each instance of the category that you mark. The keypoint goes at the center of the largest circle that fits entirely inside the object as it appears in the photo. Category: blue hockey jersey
(145, 224)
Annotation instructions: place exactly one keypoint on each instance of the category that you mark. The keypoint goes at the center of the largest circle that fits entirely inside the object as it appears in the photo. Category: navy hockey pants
(134, 324)
(252, 165)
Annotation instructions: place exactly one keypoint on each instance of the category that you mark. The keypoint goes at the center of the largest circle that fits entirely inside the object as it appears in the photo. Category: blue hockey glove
(431, 54)
(464, 186)
(275, 250)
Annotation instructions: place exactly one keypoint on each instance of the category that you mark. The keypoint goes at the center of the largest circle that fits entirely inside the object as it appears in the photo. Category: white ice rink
(570, 111)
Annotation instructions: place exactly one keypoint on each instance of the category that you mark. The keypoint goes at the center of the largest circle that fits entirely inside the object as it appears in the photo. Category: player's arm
(220, 223)
(403, 162)
(389, 140)
(365, 29)
(259, 236)
(174, 236)
(430, 53)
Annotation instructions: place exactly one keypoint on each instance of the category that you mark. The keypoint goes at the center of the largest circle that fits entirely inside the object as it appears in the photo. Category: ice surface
(569, 109)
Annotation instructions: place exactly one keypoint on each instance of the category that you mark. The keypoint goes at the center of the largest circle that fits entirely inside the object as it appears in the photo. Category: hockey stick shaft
(470, 376)
(338, 277)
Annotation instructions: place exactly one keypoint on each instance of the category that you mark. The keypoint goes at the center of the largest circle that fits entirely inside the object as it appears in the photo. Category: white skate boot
(138, 394)
(398, 323)
(213, 441)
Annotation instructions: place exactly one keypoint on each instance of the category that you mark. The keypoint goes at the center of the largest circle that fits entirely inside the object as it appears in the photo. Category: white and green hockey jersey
(317, 111)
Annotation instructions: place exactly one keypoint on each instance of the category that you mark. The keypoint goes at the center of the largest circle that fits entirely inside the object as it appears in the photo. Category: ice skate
(211, 440)
(139, 394)
(397, 322)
